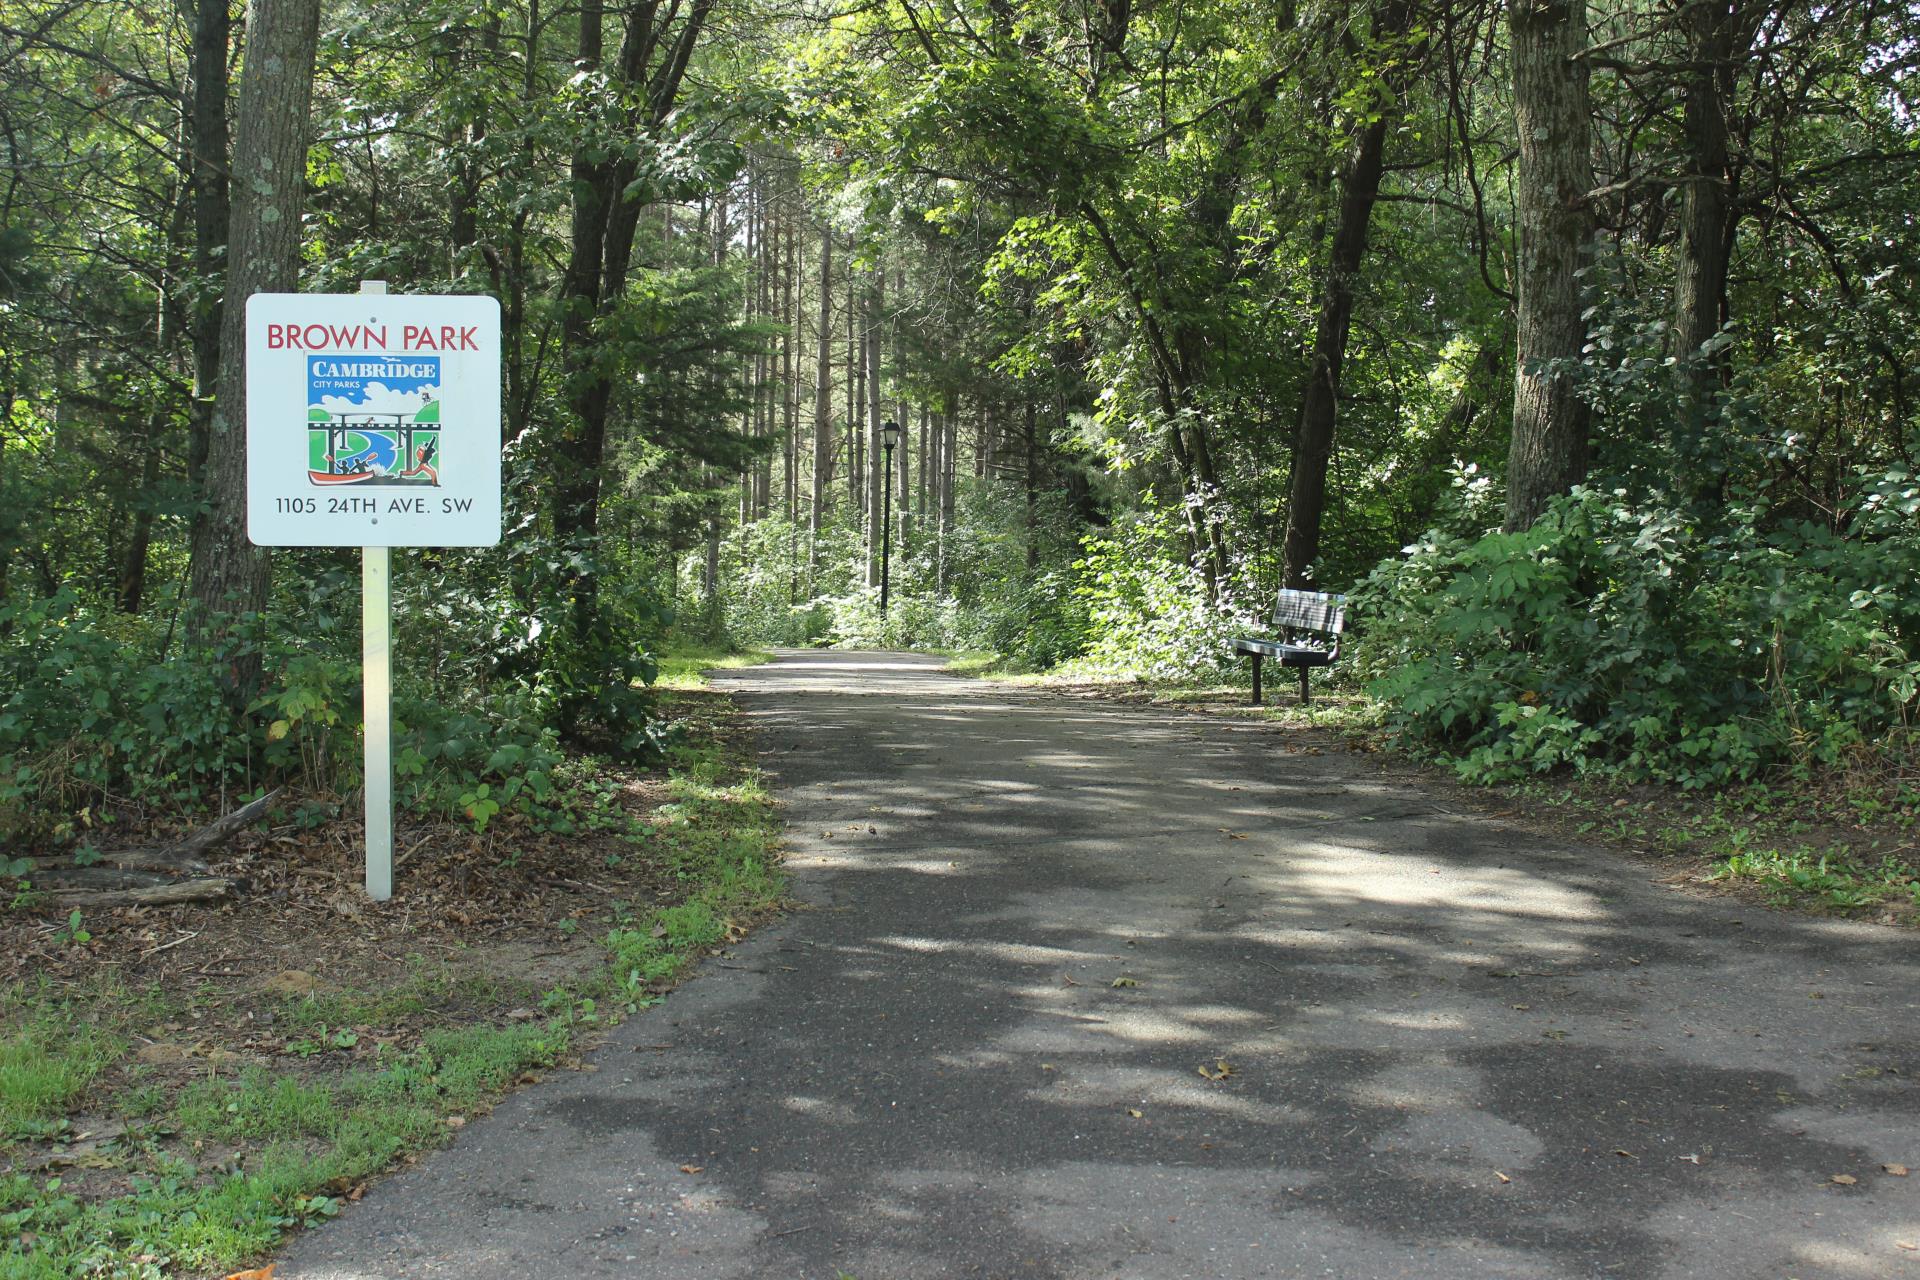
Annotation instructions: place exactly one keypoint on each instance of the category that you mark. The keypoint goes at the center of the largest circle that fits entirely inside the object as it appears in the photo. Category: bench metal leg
(1303, 685)
(1256, 679)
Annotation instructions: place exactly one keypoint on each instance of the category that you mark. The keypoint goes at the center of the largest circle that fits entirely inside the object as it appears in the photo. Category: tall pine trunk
(208, 139)
(876, 461)
(822, 401)
(1553, 113)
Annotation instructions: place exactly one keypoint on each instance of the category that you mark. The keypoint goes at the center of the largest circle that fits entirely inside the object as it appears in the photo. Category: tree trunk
(1320, 399)
(463, 197)
(228, 575)
(943, 482)
(133, 565)
(1714, 30)
(1032, 481)
(510, 275)
(789, 340)
(903, 479)
(168, 319)
(856, 396)
(579, 443)
(1552, 110)
(605, 216)
(761, 256)
(876, 461)
(710, 574)
(207, 134)
(822, 401)
(921, 461)
(1706, 205)
(985, 446)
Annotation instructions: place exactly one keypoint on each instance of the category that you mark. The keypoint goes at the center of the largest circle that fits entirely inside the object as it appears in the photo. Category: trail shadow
(1087, 991)
(1436, 1031)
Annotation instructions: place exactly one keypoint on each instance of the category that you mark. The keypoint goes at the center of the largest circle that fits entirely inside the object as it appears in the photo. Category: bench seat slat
(1287, 655)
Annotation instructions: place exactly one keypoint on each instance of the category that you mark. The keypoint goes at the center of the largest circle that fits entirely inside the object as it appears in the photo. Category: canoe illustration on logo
(373, 420)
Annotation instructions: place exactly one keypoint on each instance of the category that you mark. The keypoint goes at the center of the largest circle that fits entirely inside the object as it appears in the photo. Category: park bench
(1297, 614)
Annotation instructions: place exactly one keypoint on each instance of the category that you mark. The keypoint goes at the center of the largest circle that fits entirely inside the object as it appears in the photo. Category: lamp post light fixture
(890, 436)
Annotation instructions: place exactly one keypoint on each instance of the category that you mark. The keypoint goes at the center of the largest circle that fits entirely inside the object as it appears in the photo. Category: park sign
(373, 420)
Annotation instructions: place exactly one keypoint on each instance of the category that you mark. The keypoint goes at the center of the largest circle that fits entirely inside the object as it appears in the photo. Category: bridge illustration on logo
(373, 420)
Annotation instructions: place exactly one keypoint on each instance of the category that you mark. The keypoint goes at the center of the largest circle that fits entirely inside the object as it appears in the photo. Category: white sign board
(373, 420)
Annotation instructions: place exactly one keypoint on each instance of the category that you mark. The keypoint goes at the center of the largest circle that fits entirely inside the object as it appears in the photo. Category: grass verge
(685, 666)
(117, 1160)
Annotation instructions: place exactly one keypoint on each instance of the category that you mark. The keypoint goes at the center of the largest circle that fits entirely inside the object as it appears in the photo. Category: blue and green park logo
(373, 420)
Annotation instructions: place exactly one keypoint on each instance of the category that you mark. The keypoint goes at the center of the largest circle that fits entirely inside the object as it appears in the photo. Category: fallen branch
(125, 859)
(221, 830)
(188, 854)
(199, 889)
(68, 876)
(168, 946)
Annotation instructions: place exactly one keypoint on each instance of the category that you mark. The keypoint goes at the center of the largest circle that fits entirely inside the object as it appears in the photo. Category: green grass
(720, 830)
(46, 1066)
(1841, 847)
(290, 1143)
(685, 667)
(1833, 878)
(984, 664)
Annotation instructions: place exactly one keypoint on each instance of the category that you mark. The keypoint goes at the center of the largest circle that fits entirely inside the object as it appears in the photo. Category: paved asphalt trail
(1457, 1050)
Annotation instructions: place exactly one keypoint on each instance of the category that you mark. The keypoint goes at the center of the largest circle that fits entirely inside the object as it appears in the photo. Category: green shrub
(85, 722)
(1624, 636)
(1146, 610)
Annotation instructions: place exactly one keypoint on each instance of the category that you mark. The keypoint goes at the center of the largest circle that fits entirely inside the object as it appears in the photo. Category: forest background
(1574, 342)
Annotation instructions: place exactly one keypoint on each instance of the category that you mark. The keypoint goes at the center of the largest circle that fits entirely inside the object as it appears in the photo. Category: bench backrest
(1311, 611)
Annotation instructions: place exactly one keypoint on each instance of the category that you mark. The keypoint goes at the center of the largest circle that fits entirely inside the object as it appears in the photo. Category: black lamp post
(889, 435)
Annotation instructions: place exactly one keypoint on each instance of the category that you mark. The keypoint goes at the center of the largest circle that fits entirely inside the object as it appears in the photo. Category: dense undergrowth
(1631, 639)
(109, 717)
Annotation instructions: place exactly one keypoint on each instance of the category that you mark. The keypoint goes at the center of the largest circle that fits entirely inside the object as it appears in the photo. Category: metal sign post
(373, 421)
(376, 697)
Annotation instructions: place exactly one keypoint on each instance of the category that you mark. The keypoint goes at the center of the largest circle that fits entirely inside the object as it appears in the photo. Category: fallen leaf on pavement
(693, 1168)
(1622, 1151)
(1126, 982)
(262, 1273)
(1845, 1179)
(1897, 1170)
(1220, 1069)
(1503, 1177)
(1133, 1113)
